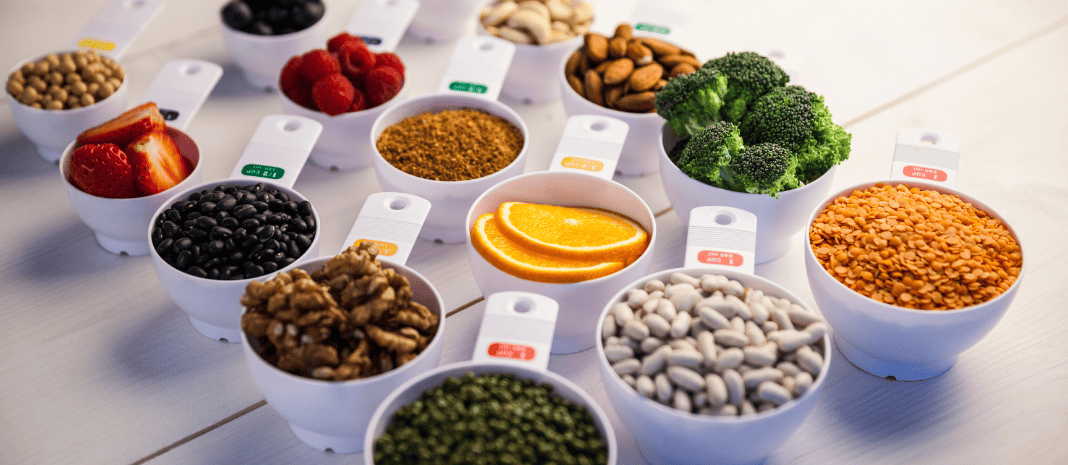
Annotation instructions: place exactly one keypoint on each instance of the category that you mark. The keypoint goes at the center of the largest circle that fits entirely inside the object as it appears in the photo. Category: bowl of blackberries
(262, 34)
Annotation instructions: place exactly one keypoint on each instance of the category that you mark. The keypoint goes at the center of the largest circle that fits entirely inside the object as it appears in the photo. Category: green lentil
(491, 419)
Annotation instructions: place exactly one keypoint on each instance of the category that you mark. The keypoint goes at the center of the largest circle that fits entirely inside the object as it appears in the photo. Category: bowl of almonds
(55, 97)
(618, 77)
(544, 32)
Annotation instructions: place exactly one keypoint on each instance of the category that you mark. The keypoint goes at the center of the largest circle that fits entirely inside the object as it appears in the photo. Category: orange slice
(516, 260)
(572, 232)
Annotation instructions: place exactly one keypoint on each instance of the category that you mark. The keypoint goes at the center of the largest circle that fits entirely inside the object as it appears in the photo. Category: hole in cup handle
(382, 23)
(181, 87)
(115, 26)
(926, 155)
(590, 145)
(721, 238)
(477, 67)
(278, 149)
(392, 220)
(517, 327)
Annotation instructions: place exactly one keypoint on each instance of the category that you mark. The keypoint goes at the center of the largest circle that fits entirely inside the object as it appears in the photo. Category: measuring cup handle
(657, 18)
(590, 145)
(382, 23)
(392, 220)
(478, 67)
(517, 327)
(926, 155)
(278, 149)
(721, 238)
(181, 87)
(115, 26)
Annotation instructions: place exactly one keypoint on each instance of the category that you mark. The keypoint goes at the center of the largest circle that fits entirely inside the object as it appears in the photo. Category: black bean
(260, 206)
(182, 244)
(207, 207)
(213, 273)
(277, 257)
(266, 233)
(270, 244)
(230, 223)
(310, 220)
(196, 233)
(220, 232)
(195, 196)
(275, 205)
(282, 246)
(185, 207)
(237, 256)
(247, 198)
(212, 264)
(287, 261)
(164, 247)
(169, 228)
(262, 218)
(206, 223)
(240, 234)
(292, 249)
(256, 189)
(227, 204)
(290, 208)
(157, 236)
(270, 267)
(254, 270)
(201, 259)
(197, 271)
(244, 211)
(298, 223)
(236, 276)
(231, 244)
(304, 208)
(255, 248)
(250, 223)
(249, 241)
(183, 259)
(193, 215)
(304, 241)
(282, 196)
(215, 246)
(217, 195)
(173, 215)
(189, 224)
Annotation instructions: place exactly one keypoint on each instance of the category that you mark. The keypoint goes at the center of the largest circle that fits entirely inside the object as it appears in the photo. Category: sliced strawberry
(318, 63)
(126, 127)
(102, 170)
(355, 61)
(359, 101)
(383, 83)
(391, 60)
(333, 94)
(158, 165)
(290, 76)
(335, 43)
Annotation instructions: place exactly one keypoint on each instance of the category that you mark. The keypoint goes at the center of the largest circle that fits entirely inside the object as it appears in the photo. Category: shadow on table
(19, 159)
(65, 251)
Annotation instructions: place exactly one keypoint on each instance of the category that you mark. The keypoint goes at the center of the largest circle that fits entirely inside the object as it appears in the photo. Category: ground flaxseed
(915, 248)
(453, 145)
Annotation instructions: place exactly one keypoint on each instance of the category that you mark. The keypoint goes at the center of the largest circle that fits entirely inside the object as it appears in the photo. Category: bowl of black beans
(261, 35)
(210, 240)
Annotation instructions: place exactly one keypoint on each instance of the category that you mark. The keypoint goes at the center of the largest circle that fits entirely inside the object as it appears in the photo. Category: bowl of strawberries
(116, 175)
(344, 87)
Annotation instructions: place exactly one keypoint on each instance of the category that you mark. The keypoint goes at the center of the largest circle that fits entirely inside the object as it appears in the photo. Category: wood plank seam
(202, 432)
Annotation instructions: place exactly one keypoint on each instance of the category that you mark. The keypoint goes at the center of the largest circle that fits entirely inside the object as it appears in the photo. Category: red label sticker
(580, 163)
(385, 249)
(713, 257)
(512, 351)
(925, 173)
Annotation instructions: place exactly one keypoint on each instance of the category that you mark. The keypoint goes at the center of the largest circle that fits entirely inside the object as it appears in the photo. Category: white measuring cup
(472, 80)
(721, 241)
(580, 176)
(110, 32)
(442, 20)
(334, 414)
(344, 142)
(895, 342)
(514, 339)
(179, 90)
(261, 58)
(274, 156)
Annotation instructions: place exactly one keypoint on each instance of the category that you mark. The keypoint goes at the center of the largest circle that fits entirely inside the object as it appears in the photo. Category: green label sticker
(263, 171)
(471, 87)
(652, 28)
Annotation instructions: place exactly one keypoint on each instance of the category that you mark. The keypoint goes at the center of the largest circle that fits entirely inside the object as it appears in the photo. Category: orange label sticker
(579, 163)
(713, 257)
(924, 173)
(97, 44)
(512, 351)
(384, 248)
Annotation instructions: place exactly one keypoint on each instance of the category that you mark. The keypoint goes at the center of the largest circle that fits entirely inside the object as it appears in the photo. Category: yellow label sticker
(384, 248)
(579, 163)
(97, 44)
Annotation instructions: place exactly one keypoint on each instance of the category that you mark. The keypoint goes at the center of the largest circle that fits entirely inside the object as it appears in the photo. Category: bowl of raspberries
(345, 87)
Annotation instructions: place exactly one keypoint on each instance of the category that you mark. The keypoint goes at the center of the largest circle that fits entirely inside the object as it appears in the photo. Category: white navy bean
(765, 406)
(685, 301)
(760, 312)
(622, 312)
(687, 358)
(726, 411)
(712, 318)
(654, 362)
(664, 388)
(629, 343)
(681, 278)
(696, 327)
(755, 334)
(793, 340)
(658, 326)
(608, 329)
(666, 309)
(716, 389)
(780, 318)
(754, 295)
(682, 401)
(650, 344)
(645, 386)
(626, 367)
(817, 330)
(747, 408)
(706, 344)
(809, 360)
(788, 369)
(801, 317)
(712, 283)
(759, 356)
(734, 288)
(773, 392)
(729, 359)
(656, 295)
(712, 300)
(738, 324)
(740, 308)
(782, 302)
(636, 330)
(636, 297)
(730, 338)
(700, 399)
(790, 383)
(707, 411)
(760, 375)
(743, 369)
(612, 340)
(617, 352)
(675, 289)
(735, 387)
(769, 327)
(653, 285)
(650, 305)
(629, 379)
(804, 381)
(686, 378)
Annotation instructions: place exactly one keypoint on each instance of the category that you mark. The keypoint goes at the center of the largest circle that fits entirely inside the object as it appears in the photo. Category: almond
(593, 87)
(680, 69)
(576, 84)
(596, 47)
(572, 63)
(642, 102)
(617, 47)
(601, 67)
(612, 94)
(618, 71)
(644, 78)
(640, 54)
(659, 85)
(624, 30)
(669, 61)
(660, 47)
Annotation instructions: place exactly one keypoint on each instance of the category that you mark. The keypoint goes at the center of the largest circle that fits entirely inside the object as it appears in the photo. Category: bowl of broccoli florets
(735, 134)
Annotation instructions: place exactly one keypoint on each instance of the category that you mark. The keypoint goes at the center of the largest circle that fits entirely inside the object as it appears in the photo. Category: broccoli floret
(749, 76)
(690, 102)
(762, 169)
(709, 151)
(676, 151)
(799, 121)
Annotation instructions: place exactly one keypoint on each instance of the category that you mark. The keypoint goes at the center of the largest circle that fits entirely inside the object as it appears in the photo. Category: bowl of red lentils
(910, 274)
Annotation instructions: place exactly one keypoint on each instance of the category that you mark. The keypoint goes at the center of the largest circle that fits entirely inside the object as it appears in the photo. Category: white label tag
(181, 87)
(478, 67)
(657, 18)
(392, 220)
(517, 327)
(927, 156)
(590, 145)
(278, 149)
(382, 23)
(111, 31)
(721, 238)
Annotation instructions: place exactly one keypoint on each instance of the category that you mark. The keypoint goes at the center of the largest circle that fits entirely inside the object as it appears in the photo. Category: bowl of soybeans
(910, 274)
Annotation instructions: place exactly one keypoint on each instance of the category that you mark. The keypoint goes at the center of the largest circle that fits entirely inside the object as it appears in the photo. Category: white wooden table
(97, 365)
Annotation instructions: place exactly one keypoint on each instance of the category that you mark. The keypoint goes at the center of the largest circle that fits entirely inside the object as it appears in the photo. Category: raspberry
(290, 76)
(391, 60)
(333, 94)
(359, 102)
(383, 83)
(318, 63)
(356, 61)
(335, 43)
(301, 95)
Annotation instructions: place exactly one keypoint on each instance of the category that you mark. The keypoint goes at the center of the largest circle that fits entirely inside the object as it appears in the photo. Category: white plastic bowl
(451, 199)
(261, 58)
(442, 20)
(414, 388)
(119, 224)
(52, 130)
(579, 302)
(896, 342)
(335, 414)
(667, 435)
(779, 218)
(528, 78)
(213, 306)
